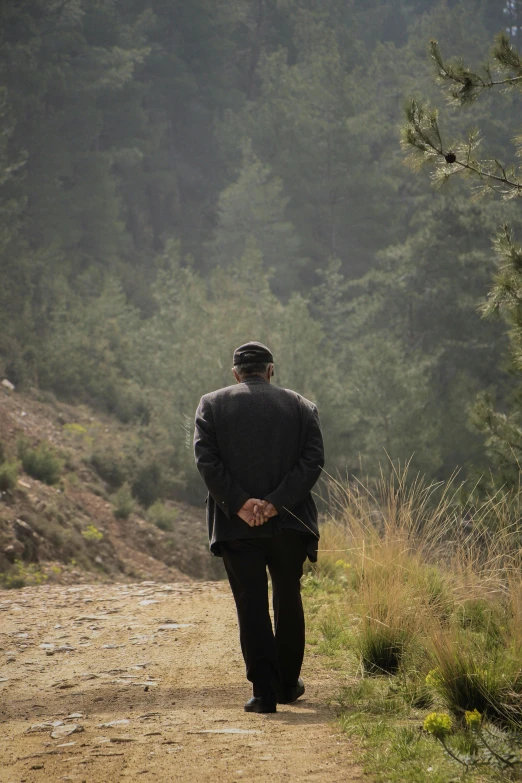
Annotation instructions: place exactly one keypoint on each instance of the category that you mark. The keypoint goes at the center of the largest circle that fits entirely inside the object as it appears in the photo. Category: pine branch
(423, 135)
(507, 289)
(466, 85)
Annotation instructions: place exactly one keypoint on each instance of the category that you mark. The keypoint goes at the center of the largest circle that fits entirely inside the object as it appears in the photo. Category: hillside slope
(68, 532)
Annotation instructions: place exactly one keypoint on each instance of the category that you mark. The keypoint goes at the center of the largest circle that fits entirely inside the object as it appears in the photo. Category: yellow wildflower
(433, 678)
(438, 723)
(473, 718)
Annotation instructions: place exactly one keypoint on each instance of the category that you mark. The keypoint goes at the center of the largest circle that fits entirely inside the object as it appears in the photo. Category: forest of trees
(177, 178)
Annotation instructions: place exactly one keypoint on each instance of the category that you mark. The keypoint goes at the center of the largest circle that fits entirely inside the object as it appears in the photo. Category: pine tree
(428, 144)
(253, 210)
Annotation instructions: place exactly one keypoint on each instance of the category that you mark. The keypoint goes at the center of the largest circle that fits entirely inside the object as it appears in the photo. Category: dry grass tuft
(432, 575)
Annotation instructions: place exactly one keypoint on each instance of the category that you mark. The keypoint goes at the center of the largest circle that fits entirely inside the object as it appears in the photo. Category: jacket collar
(254, 379)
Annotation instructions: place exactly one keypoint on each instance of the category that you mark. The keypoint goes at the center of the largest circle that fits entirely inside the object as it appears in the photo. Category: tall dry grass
(435, 584)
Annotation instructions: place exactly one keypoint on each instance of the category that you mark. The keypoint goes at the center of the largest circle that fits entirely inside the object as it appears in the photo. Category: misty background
(178, 178)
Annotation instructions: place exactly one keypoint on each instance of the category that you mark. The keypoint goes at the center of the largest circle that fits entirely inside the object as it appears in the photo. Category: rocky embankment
(68, 532)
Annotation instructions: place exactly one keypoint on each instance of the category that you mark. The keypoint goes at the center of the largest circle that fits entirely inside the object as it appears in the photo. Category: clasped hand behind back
(256, 512)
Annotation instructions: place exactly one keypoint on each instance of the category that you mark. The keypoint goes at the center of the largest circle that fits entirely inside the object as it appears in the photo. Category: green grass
(415, 623)
(395, 752)
(383, 714)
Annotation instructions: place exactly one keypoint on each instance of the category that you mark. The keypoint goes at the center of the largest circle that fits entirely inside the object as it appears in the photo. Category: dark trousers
(273, 659)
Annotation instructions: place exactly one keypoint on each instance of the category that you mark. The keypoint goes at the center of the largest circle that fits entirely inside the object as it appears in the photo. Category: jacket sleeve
(298, 482)
(225, 490)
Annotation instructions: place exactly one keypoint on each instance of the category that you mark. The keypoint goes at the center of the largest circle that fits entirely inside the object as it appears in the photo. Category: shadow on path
(113, 699)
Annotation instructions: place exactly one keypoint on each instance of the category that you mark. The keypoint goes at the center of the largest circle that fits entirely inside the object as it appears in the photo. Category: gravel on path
(145, 682)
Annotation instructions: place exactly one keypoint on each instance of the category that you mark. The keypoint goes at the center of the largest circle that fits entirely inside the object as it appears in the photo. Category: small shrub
(123, 502)
(390, 622)
(12, 581)
(19, 575)
(126, 402)
(55, 535)
(41, 463)
(467, 676)
(73, 547)
(2, 453)
(108, 465)
(163, 517)
(129, 407)
(8, 475)
(381, 648)
(91, 533)
(146, 486)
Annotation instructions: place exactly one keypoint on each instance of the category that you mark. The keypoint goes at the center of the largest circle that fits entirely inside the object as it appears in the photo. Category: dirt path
(164, 661)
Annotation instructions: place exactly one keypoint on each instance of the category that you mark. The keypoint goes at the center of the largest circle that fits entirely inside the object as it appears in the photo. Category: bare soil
(146, 682)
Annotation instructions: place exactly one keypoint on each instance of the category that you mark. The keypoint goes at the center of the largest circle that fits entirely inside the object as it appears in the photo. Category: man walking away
(259, 450)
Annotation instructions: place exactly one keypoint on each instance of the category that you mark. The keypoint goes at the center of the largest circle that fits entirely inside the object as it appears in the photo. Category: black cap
(252, 353)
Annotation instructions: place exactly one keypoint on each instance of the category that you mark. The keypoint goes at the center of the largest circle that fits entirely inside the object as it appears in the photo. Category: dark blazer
(258, 440)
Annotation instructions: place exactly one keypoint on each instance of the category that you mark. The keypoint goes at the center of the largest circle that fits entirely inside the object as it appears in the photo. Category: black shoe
(259, 704)
(289, 695)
